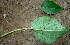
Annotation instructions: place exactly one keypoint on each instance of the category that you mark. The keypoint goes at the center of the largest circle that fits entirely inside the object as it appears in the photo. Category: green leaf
(50, 7)
(47, 29)
(47, 0)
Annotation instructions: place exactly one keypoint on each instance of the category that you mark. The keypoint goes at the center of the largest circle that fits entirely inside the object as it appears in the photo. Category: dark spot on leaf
(49, 20)
(42, 33)
(44, 28)
(43, 37)
(53, 42)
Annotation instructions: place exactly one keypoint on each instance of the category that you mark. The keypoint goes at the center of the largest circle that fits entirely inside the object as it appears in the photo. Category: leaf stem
(37, 8)
(14, 31)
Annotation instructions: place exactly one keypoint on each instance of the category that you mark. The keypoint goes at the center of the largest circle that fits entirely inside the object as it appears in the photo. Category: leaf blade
(50, 7)
(45, 27)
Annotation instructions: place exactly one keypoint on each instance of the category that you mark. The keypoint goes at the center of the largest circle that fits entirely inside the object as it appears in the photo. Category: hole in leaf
(44, 28)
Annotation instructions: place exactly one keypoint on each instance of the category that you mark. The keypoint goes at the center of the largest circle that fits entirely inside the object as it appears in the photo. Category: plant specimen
(50, 7)
(46, 29)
